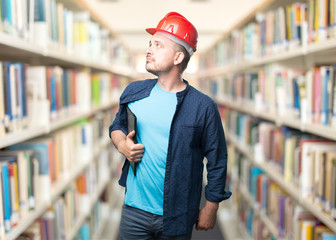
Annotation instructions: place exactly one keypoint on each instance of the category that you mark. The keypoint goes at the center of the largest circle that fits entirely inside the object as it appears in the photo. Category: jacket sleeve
(120, 121)
(214, 149)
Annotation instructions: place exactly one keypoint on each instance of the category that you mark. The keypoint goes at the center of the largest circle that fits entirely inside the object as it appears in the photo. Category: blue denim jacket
(196, 132)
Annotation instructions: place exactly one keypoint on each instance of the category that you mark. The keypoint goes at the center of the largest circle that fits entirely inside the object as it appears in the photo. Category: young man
(177, 126)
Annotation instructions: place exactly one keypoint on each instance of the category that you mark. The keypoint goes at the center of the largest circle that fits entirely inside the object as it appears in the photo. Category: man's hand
(207, 216)
(132, 151)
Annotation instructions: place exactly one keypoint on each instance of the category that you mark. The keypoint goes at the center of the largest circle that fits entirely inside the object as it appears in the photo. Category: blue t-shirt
(154, 117)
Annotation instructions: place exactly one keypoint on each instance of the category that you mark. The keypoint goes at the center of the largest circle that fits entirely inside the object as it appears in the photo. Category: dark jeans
(137, 224)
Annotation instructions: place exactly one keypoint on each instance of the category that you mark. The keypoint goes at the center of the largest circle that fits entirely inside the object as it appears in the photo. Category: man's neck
(172, 83)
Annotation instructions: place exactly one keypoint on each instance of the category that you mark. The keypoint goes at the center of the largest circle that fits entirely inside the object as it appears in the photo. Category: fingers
(203, 227)
(131, 134)
(136, 152)
(135, 157)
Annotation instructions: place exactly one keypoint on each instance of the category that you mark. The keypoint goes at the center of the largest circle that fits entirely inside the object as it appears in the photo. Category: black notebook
(131, 125)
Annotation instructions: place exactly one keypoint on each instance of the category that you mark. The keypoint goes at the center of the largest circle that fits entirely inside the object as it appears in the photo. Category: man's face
(160, 54)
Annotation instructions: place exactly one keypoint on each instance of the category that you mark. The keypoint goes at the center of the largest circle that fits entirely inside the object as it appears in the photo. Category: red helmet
(177, 25)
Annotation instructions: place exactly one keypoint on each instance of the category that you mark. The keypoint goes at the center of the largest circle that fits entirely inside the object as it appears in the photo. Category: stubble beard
(157, 72)
(150, 70)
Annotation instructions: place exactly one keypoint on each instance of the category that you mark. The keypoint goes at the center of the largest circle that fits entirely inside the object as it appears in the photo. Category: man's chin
(152, 71)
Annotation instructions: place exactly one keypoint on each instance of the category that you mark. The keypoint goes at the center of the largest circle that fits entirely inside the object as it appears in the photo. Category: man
(177, 126)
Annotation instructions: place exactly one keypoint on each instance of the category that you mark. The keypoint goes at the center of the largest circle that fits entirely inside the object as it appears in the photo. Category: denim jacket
(196, 132)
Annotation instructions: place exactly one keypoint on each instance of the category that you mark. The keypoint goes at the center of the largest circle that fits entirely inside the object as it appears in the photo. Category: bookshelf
(289, 188)
(245, 71)
(89, 67)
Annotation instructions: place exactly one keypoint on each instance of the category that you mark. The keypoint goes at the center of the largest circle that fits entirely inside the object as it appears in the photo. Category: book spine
(7, 198)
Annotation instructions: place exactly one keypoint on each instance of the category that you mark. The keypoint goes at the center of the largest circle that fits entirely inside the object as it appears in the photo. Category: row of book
(261, 203)
(309, 96)
(32, 170)
(307, 161)
(52, 25)
(73, 205)
(38, 95)
(63, 215)
(275, 31)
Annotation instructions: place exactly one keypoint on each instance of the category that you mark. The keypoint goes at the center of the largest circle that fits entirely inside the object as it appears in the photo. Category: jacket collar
(139, 91)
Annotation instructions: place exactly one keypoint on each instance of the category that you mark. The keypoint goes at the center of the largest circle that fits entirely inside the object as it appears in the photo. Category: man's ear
(179, 56)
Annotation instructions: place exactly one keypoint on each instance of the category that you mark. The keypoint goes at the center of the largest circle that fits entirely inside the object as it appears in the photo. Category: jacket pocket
(192, 135)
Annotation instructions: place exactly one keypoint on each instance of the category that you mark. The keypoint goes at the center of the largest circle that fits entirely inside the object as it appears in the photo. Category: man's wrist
(212, 205)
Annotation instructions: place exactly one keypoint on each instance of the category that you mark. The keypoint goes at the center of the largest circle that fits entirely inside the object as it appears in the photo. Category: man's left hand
(207, 216)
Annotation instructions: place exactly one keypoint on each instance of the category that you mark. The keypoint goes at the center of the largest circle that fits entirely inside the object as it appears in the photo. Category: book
(22, 171)
(37, 101)
(131, 125)
(40, 26)
(13, 182)
(2, 102)
(42, 183)
(6, 196)
(2, 223)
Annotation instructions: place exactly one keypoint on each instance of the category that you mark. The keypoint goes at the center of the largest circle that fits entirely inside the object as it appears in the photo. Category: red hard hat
(177, 25)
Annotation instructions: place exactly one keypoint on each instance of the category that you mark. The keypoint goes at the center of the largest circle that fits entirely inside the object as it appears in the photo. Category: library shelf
(303, 56)
(83, 216)
(24, 50)
(247, 108)
(228, 222)
(270, 225)
(292, 190)
(102, 144)
(26, 222)
(297, 54)
(91, 7)
(32, 132)
(57, 190)
(111, 229)
(260, 212)
(22, 135)
(255, 62)
(65, 121)
(98, 233)
(313, 128)
(325, 45)
(17, 49)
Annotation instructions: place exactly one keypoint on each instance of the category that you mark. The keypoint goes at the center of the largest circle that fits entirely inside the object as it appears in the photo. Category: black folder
(131, 125)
